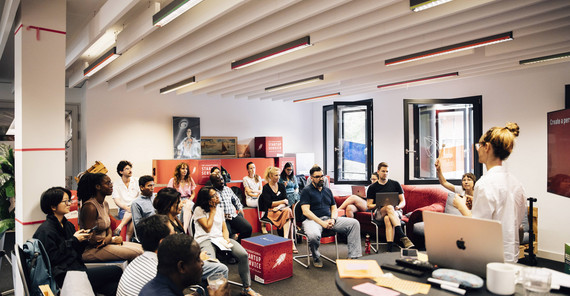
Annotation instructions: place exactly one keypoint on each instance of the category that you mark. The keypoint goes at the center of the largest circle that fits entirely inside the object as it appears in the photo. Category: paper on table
(422, 257)
(406, 287)
(372, 289)
(358, 269)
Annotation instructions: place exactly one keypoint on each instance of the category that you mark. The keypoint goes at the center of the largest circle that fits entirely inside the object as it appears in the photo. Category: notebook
(387, 198)
(359, 191)
(463, 243)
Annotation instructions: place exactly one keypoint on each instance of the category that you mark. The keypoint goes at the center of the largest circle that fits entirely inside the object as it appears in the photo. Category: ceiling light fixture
(451, 49)
(178, 85)
(295, 83)
(317, 97)
(545, 58)
(101, 62)
(419, 5)
(448, 75)
(172, 11)
(272, 53)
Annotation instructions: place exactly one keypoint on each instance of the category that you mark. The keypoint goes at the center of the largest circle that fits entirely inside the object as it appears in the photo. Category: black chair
(263, 218)
(4, 255)
(20, 259)
(297, 212)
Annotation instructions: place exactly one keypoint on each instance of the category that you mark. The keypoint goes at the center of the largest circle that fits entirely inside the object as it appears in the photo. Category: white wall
(137, 126)
(524, 97)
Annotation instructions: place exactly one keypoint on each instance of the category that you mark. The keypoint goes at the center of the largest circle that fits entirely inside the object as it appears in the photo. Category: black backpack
(225, 175)
(39, 267)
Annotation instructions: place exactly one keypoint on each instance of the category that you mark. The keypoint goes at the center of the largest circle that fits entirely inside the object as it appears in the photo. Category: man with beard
(233, 209)
(319, 211)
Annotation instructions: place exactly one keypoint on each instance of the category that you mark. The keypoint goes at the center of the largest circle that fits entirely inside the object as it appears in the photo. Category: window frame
(476, 101)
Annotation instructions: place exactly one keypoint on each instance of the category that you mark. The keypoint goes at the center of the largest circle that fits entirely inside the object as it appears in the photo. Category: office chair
(22, 268)
(4, 255)
(297, 212)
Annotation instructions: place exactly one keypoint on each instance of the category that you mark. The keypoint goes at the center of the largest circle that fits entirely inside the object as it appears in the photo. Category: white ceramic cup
(501, 278)
(216, 280)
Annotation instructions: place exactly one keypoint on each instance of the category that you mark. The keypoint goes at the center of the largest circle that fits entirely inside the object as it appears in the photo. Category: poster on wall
(186, 136)
(558, 157)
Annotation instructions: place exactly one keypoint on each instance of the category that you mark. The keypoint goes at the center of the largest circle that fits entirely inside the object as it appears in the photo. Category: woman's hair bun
(513, 128)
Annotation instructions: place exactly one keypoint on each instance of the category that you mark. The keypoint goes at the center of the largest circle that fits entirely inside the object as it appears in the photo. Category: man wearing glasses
(319, 211)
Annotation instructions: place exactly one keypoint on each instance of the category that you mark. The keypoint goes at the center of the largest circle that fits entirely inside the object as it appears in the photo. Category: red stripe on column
(16, 32)
(31, 222)
(39, 149)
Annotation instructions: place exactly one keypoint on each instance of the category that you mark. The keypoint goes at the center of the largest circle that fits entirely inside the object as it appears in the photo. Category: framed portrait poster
(219, 147)
(186, 136)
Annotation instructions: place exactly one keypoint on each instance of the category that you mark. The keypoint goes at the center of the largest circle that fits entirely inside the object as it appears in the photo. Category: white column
(39, 108)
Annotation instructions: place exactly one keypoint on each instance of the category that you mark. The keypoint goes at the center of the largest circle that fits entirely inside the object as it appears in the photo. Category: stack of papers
(403, 286)
(358, 269)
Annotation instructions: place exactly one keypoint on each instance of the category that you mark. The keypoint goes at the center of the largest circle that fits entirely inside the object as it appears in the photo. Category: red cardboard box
(270, 258)
(281, 161)
(268, 146)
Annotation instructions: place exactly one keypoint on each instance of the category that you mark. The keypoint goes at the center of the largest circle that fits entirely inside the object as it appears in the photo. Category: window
(347, 136)
(445, 128)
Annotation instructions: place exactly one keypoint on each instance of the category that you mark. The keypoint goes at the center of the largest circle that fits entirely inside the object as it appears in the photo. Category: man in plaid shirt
(233, 209)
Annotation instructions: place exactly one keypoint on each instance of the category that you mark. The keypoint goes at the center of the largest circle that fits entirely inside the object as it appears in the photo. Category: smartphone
(409, 253)
(92, 229)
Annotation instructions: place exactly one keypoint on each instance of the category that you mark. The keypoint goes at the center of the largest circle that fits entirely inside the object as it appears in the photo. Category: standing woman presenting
(498, 195)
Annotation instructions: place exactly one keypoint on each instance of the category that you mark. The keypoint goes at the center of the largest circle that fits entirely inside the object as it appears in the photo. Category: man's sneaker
(407, 242)
(317, 262)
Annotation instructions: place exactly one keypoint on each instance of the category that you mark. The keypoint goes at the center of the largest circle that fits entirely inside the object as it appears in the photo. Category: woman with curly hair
(498, 195)
(94, 214)
(183, 182)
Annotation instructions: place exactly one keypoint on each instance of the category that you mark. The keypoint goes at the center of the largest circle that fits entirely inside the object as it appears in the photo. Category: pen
(450, 286)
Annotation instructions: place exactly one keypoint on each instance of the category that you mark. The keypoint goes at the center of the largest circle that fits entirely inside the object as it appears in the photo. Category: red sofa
(418, 199)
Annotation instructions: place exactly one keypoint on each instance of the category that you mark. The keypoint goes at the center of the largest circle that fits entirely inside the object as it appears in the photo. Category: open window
(446, 127)
(348, 153)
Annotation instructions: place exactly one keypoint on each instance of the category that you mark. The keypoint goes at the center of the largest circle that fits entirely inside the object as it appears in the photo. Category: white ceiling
(351, 40)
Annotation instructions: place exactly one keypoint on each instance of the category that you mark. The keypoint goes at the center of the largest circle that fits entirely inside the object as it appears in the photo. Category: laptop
(359, 191)
(387, 198)
(462, 243)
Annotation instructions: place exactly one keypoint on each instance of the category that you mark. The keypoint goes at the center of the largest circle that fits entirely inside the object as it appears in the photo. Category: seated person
(233, 209)
(125, 192)
(183, 182)
(275, 204)
(389, 215)
(152, 231)
(319, 211)
(142, 205)
(179, 266)
(251, 185)
(288, 179)
(65, 245)
(209, 224)
(355, 203)
(103, 246)
(467, 184)
(167, 202)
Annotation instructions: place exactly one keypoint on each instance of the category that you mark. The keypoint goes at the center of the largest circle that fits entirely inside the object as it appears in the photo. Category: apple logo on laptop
(461, 244)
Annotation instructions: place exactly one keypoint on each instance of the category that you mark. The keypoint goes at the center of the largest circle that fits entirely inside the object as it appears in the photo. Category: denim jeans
(348, 226)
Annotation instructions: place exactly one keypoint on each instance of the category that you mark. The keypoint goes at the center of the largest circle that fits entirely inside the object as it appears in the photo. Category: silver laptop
(359, 191)
(463, 243)
(387, 198)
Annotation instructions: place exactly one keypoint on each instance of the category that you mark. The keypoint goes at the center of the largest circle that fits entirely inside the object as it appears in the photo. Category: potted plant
(7, 188)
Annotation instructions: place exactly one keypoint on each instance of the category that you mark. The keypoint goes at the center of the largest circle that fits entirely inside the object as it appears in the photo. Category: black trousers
(239, 225)
(105, 280)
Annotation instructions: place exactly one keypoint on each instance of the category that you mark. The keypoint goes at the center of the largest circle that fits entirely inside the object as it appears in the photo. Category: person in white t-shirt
(123, 194)
(498, 195)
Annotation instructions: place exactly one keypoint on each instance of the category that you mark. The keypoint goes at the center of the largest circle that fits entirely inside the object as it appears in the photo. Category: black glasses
(318, 177)
(66, 201)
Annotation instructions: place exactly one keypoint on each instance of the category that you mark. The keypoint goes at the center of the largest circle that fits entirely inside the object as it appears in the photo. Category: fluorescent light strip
(448, 75)
(101, 62)
(172, 11)
(416, 5)
(547, 58)
(178, 85)
(272, 53)
(317, 98)
(295, 83)
(101, 45)
(451, 49)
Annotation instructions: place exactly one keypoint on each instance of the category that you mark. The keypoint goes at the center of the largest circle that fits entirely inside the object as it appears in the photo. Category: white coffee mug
(501, 278)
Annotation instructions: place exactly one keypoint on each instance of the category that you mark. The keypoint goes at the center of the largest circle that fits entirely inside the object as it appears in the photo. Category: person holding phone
(65, 245)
